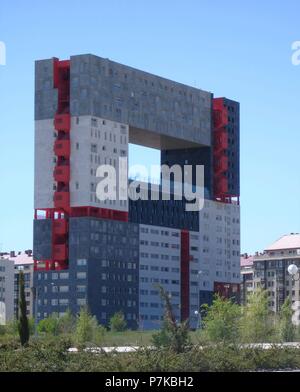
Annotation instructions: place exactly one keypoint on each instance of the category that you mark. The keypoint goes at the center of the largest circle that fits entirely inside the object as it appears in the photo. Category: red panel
(185, 274)
(59, 252)
(221, 164)
(221, 186)
(96, 212)
(227, 290)
(62, 148)
(60, 226)
(62, 122)
(62, 173)
(62, 200)
(220, 140)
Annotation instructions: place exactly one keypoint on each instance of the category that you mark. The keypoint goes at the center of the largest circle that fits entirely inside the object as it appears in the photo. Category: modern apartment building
(111, 254)
(10, 266)
(270, 270)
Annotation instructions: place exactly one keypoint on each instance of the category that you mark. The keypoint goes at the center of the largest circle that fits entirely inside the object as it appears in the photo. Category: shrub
(221, 322)
(117, 322)
(173, 335)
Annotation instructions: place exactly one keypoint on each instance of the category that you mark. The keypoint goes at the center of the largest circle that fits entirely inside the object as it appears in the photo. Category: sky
(238, 49)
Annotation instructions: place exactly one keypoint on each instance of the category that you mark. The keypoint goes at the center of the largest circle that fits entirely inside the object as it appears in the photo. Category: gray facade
(102, 273)
(142, 100)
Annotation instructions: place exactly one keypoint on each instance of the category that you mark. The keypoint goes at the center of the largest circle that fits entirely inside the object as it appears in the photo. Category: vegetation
(118, 322)
(173, 335)
(88, 331)
(23, 325)
(221, 323)
(287, 330)
(218, 346)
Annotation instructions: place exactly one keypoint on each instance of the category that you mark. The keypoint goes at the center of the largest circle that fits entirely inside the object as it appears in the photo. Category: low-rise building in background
(10, 266)
(269, 270)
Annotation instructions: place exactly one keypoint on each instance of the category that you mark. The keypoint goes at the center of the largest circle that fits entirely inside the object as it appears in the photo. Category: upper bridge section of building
(160, 113)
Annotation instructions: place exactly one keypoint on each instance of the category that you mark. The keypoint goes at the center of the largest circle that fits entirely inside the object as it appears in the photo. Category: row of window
(144, 279)
(146, 230)
(145, 267)
(62, 275)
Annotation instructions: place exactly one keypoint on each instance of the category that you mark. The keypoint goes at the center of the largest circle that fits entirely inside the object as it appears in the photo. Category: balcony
(60, 226)
(62, 148)
(61, 200)
(220, 140)
(62, 173)
(221, 185)
(62, 122)
(60, 252)
(221, 164)
(220, 117)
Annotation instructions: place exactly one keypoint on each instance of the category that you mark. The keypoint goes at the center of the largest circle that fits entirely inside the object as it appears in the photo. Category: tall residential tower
(112, 254)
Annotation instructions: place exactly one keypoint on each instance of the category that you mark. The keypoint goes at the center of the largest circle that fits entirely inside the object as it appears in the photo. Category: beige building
(10, 267)
(269, 270)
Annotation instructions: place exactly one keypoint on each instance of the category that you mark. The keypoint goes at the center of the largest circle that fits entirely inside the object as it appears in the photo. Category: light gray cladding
(107, 89)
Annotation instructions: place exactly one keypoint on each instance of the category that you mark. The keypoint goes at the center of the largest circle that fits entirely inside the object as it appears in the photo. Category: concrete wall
(219, 244)
(44, 164)
(95, 142)
(106, 89)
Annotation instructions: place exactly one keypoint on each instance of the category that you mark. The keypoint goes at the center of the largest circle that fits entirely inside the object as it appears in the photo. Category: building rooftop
(19, 258)
(289, 241)
(246, 260)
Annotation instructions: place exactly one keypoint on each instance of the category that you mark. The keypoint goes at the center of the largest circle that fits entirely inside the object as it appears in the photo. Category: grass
(135, 338)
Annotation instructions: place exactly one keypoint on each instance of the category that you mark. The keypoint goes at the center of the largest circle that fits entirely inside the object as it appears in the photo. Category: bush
(173, 335)
(257, 323)
(117, 322)
(49, 325)
(88, 331)
(221, 322)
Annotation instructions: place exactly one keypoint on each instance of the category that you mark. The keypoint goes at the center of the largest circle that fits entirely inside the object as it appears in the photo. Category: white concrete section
(159, 264)
(95, 141)
(219, 244)
(195, 277)
(44, 164)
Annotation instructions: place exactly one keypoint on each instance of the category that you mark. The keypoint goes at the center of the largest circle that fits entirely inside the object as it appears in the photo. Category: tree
(23, 326)
(256, 324)
(87, 328)
(287, 329)
(117, 322)
(221, 320)
(67, 323)
(173, 335)
(49, 325)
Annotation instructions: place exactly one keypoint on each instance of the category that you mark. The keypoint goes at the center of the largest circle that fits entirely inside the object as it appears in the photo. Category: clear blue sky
(238, 49)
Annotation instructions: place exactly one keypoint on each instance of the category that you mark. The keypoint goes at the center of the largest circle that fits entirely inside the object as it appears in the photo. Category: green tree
(67, 323)
(49, 325)
(173, 335)
(87, 328)
(256, 324)
(221, 320)
(287, 329)
(23, 320)
(117, 322)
